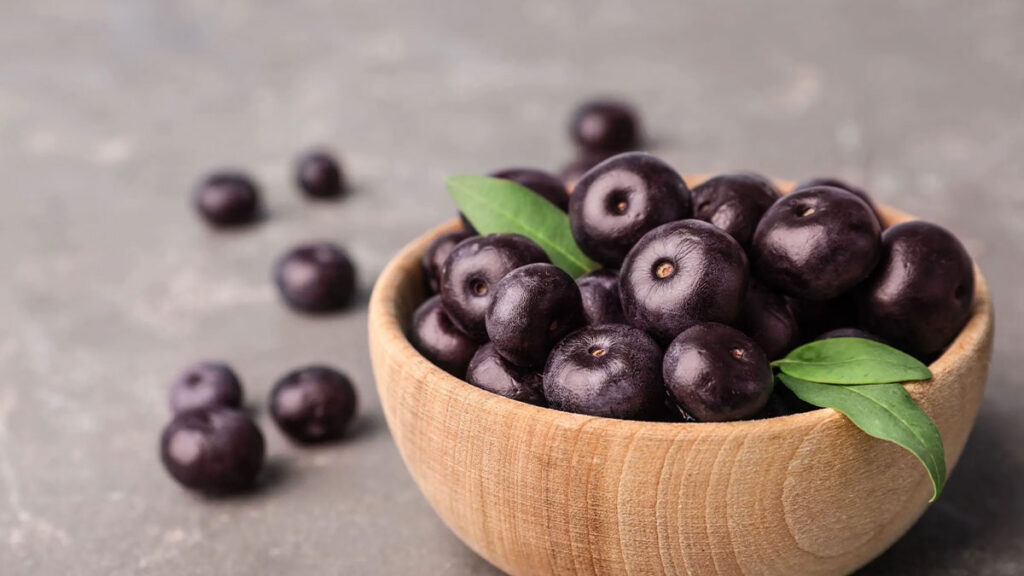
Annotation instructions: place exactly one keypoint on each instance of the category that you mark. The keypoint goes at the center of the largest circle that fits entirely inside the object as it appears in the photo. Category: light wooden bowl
(537, 491)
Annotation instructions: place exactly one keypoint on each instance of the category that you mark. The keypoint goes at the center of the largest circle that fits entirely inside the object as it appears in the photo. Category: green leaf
(496, 206)
(851, 361)
(885, 411)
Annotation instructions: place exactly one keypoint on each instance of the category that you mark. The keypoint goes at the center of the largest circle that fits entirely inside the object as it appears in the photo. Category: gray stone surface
(110, 111)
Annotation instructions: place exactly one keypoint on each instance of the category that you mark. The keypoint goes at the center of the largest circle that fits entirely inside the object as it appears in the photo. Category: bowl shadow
(977, 515)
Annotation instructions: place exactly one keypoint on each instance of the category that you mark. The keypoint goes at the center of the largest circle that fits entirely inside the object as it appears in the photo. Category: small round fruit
(227, 199)
(206, 385)
(920, 296)
(621, 199)
(316, 277)
(605, 125)
(682, 274)
(848, 333)
(439, 340)
(734, 203)
(837, 183)
(716, 373)
(216, 450)
(313, 404)
(816, 243)
(490, 371)
(433, 259)
(544, 184)
(472, 271)
(533, 308)
(600, 293)
(768, 320)
(611, 370)
(318, 175)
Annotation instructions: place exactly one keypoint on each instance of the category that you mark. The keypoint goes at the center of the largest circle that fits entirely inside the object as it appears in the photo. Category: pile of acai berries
(700, 290)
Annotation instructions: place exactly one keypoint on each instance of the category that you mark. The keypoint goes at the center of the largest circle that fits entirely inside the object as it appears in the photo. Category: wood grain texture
(537, 491)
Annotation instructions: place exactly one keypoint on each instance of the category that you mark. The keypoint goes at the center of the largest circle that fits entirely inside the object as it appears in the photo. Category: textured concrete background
(110, 111)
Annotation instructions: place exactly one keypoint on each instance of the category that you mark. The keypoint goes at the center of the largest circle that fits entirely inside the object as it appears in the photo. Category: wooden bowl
(537, 491)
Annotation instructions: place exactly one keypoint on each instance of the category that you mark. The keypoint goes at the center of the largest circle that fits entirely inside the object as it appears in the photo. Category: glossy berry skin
(313, 404)
(206, 385)
(316, 277)
(319, 175)
(490, 371)
(621, 199)
(768, 320)
(848, 333)
(217, 450)
(734, 203)
(544, 184)
(437, 252)
(605, 125)
(534, 307)
(716, 373)
(612, 370)
(227, 199)
(439, 340)
(681, 274)
(816, 243)
(920, 296)
(600, 293)
(472, 272)
(837, 183)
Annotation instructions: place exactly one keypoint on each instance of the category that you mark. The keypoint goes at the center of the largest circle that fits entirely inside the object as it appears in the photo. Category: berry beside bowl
(535, 490)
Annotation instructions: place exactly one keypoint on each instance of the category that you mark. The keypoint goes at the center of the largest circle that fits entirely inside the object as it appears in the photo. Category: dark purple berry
(216, 450)
(620, 200)
(734, 203)
(206, 385)
(600, 293)
(605, 125)
(318, 175)
(436, 254)
(816, 243)
(439, 340)
(472, 272)
(490, 371)
(716, 373)
(227, 199)
(920, 296)
(612, 370)
(313, 404)
(316, 277)
(768, 320)
(841, 184)
(533, 308)
(681, 274)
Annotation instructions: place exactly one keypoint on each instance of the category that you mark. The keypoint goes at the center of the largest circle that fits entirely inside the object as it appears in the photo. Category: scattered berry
(313, 404)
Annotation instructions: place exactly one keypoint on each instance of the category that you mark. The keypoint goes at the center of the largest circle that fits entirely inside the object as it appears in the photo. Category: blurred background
(111, 111)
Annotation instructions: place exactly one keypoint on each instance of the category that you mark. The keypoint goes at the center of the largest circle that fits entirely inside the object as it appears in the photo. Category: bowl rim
(385, 317)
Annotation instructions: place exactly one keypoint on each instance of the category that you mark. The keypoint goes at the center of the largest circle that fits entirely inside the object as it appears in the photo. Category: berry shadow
(276, 473)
